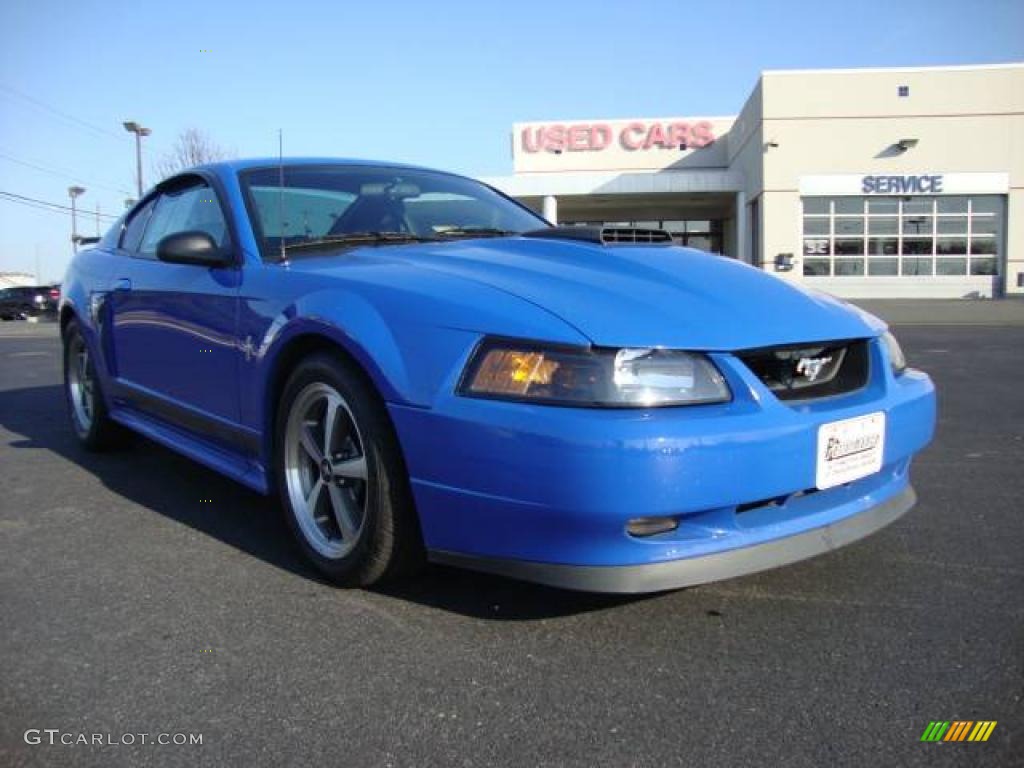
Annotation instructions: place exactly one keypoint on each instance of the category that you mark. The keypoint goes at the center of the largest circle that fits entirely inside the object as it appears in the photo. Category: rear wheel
(341, 476)
(86, 407)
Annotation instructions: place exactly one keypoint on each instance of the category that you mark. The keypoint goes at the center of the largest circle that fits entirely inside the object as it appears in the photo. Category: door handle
(122, 284)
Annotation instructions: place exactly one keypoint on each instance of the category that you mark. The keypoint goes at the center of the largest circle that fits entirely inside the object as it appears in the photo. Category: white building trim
(617, 183)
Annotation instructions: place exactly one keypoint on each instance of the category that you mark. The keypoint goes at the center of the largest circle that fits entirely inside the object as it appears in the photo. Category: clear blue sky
(437, 83)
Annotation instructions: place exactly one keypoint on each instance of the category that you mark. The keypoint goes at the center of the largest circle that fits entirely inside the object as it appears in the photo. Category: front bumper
(687, 571)
(545, 493)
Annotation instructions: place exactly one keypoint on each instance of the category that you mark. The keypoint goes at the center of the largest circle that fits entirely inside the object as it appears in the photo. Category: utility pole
(73, 193)
(97, 220)
(133, 127)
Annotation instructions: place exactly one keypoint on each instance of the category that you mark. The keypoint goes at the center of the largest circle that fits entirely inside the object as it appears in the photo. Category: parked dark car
(29, 301)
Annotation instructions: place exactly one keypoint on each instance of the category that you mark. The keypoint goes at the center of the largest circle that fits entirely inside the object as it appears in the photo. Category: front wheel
(341, 476)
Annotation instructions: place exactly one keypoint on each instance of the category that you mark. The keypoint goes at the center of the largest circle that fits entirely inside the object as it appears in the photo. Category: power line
(60, 113)
(53, 171)
(34, 206)
(33, 202)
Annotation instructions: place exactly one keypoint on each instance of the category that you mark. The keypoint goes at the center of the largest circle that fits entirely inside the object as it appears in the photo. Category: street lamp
(73, 193)
(132, 127)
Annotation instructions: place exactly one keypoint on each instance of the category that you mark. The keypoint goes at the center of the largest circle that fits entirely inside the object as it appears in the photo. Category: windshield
(323, 203)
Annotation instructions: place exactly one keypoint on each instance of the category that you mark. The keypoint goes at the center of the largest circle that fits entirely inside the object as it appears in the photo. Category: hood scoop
(604, 235)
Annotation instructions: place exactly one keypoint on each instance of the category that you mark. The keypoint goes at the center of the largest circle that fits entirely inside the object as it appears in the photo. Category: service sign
(611, 145)
(905, 184)
(915, 184)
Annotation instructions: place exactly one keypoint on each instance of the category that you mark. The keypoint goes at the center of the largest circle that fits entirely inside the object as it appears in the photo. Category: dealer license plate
(850, 449)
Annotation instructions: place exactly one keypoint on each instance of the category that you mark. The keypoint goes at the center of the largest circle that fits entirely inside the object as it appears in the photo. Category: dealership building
(865, 183)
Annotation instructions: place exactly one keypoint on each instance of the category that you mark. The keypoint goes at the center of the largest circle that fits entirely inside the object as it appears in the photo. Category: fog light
(649, 526)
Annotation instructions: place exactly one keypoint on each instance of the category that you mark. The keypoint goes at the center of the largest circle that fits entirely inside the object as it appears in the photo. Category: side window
(131, 236)
(192, 208)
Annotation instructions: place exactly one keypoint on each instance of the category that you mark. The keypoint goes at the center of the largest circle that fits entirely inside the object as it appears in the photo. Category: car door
(174, 325)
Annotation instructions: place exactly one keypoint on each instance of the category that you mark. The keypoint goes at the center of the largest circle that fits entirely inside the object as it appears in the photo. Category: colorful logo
(958, 730)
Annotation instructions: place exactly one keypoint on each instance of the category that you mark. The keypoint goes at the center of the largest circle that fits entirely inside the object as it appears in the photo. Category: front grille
(774, 501)
(810, 371)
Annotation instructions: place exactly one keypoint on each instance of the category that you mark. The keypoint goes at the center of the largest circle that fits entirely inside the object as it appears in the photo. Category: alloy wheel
(325, 470)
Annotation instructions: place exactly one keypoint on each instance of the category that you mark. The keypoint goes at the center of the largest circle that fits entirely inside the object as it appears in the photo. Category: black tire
(388, 543)
(97, 432)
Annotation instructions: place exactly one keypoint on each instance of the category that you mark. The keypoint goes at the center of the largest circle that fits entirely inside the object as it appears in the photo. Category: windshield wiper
(358, 238)
(474, 232)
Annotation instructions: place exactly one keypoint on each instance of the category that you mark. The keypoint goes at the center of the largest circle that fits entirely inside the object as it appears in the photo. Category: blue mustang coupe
(424, 369)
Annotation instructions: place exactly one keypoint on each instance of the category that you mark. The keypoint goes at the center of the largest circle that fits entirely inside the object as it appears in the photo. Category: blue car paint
(497, 479)
(558, 484)
(179, 319)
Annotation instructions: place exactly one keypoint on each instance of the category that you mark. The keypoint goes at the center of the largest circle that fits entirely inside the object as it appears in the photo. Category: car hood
(634, 295)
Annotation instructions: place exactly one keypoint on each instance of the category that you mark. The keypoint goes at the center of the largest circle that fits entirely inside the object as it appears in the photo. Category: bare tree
(192, 147)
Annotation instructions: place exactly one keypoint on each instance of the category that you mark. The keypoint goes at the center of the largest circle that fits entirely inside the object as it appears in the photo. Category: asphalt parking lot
(142, 593)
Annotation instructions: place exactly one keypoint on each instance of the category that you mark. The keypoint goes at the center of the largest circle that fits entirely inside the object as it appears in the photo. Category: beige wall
(860, 92)
(746, 149)
(780, 230)
(965, 120)
(745, 143)
(1015, 242)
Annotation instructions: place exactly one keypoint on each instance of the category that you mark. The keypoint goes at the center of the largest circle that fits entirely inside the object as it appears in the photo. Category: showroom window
(902, 236)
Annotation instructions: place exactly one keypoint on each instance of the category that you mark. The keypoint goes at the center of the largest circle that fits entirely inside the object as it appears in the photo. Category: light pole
(73, 193)
(132, 127)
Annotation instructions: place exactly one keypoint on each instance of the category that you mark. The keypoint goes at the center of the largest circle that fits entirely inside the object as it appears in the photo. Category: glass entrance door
(704, 235)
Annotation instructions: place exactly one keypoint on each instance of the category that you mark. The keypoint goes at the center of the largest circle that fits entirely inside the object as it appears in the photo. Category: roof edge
(860, 70)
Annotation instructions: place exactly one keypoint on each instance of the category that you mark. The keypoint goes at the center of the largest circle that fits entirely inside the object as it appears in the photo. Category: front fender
(408, 363)
(345, 319)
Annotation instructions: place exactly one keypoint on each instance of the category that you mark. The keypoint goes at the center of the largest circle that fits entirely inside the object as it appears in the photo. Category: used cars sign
(637, 144)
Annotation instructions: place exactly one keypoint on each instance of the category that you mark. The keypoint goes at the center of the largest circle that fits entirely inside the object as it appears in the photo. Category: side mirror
(192, 247)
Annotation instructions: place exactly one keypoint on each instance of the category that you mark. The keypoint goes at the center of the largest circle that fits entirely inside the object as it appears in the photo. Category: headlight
(557, 375)
(896, 357)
